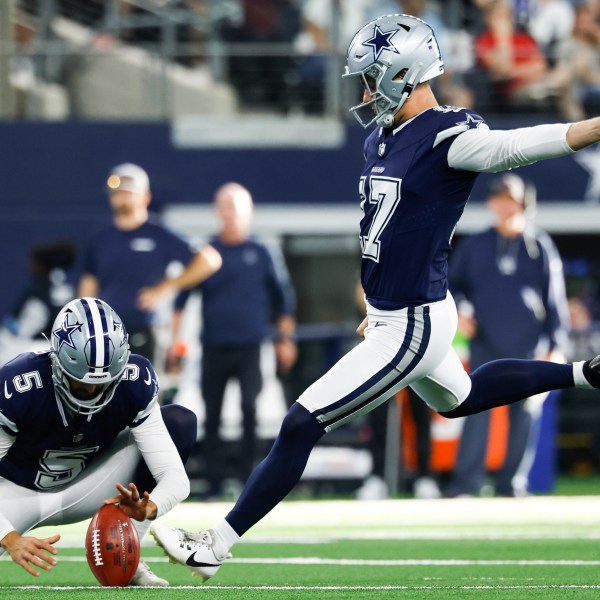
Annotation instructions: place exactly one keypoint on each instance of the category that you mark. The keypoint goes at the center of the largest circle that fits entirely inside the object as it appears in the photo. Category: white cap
(510, 184)
(128, 177)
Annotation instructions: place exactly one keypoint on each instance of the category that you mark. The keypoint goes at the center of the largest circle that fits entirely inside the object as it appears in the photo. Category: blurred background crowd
(221, 57)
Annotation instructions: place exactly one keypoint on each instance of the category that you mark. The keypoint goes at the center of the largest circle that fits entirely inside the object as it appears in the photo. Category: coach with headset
(509, 281)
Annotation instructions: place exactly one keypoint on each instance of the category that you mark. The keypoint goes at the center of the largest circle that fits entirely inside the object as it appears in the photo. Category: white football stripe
(99, 333)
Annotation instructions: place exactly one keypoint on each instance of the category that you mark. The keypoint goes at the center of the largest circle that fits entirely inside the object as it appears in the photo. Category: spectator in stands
(550, 22)
(238, 305)
(36, 307)
(126, 263)
(456, 47)
(155, 34)
(512, 62)
(86, 12)
(511, 274)
(578, 63)
(261, 73)
(326, 29)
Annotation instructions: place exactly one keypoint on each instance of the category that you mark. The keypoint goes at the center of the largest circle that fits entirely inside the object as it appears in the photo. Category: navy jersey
(241, 300)
(411, 201)
(51, 447)
(124, 262)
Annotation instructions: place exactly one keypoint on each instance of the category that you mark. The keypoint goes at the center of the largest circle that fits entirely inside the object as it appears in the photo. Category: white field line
(545, 517)
(301, 560)
(273, 588)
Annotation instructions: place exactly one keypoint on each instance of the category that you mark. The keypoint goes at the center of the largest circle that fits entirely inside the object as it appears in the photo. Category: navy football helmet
(379, 52)
(90, 345)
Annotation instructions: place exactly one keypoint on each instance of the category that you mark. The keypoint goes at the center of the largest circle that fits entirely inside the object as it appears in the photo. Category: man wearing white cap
(126, 263)
(511, 277)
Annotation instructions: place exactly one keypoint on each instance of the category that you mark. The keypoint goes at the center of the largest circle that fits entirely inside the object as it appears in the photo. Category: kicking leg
(359, 382)
(279, 472)
(453, 393)
(501, 382)
(270, 482)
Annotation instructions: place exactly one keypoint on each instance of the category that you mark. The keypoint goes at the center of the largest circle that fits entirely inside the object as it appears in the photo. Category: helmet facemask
(379, 104)
(88, 406)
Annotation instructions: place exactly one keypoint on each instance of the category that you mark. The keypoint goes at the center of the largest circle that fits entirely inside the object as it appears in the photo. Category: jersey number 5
(59, 467)
(385, 193)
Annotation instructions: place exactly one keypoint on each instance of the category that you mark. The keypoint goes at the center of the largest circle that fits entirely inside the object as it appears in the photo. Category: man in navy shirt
(29, 321)
(75, 419)
(240, 303)
(420, 165)
(126, 263)
(511, 276)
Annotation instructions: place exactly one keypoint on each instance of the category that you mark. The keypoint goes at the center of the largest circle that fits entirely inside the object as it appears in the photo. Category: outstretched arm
(489, 151)
(206, 262)
(484, 150)
(584, 133)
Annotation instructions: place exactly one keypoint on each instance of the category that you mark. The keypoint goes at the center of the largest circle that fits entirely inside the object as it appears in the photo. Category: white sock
(579, 377)
(226, 537)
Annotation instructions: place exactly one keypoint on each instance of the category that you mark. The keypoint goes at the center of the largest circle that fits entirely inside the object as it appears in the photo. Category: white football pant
(407, 347)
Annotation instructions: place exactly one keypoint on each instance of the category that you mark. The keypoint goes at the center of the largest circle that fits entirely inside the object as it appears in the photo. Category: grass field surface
(546, 547)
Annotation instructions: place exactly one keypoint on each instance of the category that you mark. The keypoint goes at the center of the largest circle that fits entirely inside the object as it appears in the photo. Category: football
(112, 546)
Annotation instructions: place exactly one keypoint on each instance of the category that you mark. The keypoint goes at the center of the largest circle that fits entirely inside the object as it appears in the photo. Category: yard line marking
(427, 535)
(408, 562)
(301, 560)
(276, 588)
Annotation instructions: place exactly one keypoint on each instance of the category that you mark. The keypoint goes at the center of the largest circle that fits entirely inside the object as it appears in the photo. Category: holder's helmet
(89, 345)
(379, 53)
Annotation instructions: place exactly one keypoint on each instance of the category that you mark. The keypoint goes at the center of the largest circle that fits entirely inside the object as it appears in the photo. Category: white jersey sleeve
(162, 458)
(489, 151)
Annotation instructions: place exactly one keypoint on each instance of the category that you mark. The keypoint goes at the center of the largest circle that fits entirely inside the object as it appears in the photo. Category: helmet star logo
(65, 334)
(381, 41)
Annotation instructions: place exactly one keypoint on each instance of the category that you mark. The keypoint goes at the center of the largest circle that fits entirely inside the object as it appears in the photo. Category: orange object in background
(445, 437)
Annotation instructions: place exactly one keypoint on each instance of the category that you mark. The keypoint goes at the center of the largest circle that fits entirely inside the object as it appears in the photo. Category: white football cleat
(193, 550)
(144, 577)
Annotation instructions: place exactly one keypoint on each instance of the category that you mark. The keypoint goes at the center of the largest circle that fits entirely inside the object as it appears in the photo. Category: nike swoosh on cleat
(190, 562)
